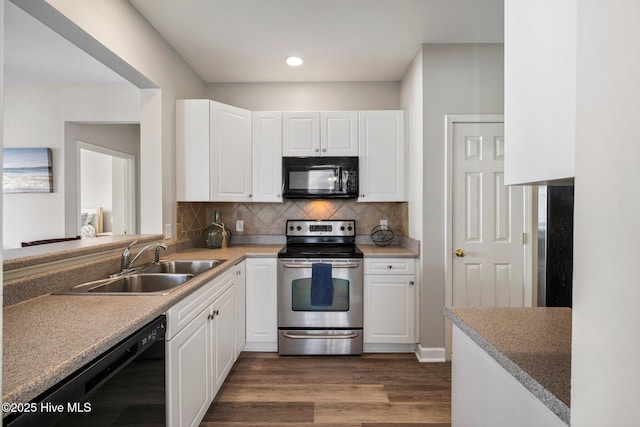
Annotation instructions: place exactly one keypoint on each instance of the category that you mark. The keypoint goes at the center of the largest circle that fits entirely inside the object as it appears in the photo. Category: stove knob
(291, 228)
(342, 228)
(298, 228)
(349, 228)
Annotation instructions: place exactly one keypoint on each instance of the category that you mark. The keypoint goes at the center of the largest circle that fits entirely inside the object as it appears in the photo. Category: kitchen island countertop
(532, 344)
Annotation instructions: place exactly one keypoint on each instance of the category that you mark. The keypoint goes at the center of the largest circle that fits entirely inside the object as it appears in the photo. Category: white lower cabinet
(262, 304)
(241, 306)
(389, 304)
(189, 356)
(201, 349)
(483, 393)
(222, 337)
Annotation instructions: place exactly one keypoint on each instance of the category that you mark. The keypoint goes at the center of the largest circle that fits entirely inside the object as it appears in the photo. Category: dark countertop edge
(538, 390)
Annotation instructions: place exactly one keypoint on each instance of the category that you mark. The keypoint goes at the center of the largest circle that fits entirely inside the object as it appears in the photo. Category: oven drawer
(319, 341)
(389, 266)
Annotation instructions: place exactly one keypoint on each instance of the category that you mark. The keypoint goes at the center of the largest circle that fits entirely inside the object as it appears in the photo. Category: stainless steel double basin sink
(152, 279)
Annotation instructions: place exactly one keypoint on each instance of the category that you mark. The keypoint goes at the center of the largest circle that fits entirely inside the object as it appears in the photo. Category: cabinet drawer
(186, 310)
(389, 266)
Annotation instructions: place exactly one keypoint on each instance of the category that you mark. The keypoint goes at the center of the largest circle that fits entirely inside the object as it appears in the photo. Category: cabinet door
(266, 141)
(240, 297)
(484, 393)
(300, 134)
(262, 310)
(192, 150)
(540, 51)
(339, 133)
(223, 337)
(389, 309)
(230, 154)
(381, 156)
(189, 360)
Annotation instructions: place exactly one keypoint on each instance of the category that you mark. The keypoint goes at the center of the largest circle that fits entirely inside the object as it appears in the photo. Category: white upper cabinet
(382, 163)
(313, 134)
(192, 150)
(540, 91)
(230, 153)
(300, 134)
(339, 133)
(213, 146)
(267, 156)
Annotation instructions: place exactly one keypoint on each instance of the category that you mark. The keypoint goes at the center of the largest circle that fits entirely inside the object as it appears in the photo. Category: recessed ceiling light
(294, 61)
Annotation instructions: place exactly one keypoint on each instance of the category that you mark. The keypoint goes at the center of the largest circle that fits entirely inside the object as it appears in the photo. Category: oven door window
(314, 180)
(301, 296)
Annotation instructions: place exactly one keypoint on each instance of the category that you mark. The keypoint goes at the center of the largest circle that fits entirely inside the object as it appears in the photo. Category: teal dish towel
(321, 285)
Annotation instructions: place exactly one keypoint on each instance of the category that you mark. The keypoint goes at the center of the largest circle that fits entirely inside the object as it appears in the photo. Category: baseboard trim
(261, 347)
(430, 354)
(389, 348)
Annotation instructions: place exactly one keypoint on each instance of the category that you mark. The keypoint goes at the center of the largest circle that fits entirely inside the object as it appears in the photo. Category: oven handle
(308, 265)
(323, 336)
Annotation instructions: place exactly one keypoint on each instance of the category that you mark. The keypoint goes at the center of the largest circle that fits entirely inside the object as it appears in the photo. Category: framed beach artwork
(27, 170)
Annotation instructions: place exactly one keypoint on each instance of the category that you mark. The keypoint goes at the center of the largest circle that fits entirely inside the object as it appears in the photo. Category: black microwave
(320, 177)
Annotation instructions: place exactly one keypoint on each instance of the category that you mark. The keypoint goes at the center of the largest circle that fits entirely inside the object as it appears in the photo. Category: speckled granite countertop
(45, 339)
(373, 251)
(532, 344)
(32, 255)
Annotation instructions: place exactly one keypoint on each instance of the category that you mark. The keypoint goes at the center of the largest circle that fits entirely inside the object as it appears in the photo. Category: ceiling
(340, 40)
(248, 40)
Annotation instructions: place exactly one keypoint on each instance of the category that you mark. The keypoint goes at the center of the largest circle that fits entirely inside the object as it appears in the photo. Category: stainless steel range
(320, 283)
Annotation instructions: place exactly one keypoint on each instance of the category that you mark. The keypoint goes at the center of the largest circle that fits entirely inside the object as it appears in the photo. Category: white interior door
(488, 224)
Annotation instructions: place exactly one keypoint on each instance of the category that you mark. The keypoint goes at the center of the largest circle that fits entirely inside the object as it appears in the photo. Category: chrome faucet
(126, 261)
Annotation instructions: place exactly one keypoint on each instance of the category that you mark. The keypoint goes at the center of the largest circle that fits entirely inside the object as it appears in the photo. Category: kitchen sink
(150, 279)
(132, 284)
(194, 267)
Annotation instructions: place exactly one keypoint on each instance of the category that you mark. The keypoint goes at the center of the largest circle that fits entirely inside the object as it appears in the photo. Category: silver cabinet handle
(332, 265)
(320, 336)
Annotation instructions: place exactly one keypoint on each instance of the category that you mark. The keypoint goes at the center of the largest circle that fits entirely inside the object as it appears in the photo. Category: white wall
(2, 6)
(96, 177)
(308, 96)
(457, 79)
(124, 138)
(35, 116)
(605, 383)
(124, 34)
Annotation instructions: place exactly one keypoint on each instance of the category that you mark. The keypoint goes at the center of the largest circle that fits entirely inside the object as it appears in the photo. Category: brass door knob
(460, 253)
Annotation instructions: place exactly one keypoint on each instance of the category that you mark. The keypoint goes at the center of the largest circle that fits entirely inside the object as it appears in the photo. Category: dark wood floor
(372, 390)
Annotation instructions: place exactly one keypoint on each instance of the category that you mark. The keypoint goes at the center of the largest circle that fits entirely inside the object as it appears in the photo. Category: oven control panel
(298, 227)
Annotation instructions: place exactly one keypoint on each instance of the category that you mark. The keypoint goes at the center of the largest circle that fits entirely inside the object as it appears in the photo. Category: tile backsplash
(270, 218)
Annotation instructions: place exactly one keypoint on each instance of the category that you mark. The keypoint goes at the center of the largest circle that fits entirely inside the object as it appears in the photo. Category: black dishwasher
(124, 386)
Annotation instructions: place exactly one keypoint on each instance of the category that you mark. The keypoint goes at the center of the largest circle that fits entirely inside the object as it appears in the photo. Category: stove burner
(320, 239)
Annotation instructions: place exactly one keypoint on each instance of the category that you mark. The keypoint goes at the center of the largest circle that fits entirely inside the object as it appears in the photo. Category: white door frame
(450, 120)
(130, 181)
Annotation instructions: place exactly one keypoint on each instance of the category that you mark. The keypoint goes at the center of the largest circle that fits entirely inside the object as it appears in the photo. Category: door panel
(488, 221)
